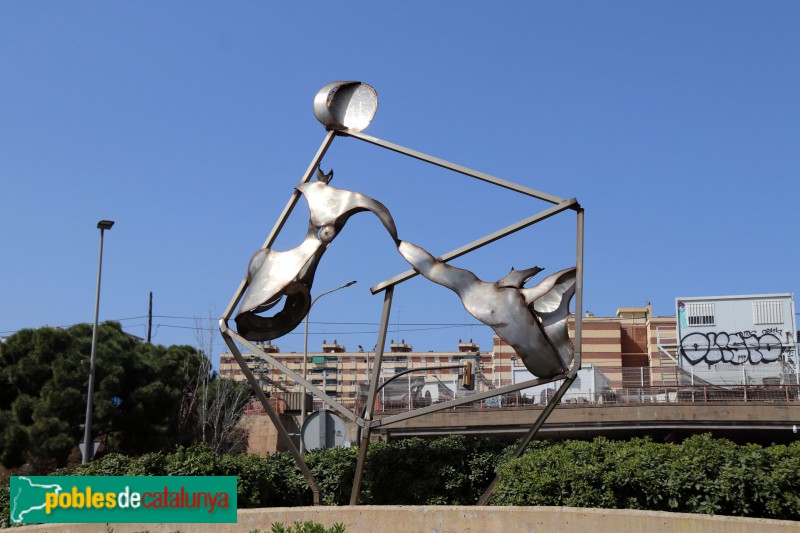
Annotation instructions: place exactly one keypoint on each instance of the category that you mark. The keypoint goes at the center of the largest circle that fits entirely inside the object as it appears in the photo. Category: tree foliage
(145, 395)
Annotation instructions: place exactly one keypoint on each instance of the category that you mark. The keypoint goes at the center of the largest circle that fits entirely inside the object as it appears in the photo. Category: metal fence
(640, 395)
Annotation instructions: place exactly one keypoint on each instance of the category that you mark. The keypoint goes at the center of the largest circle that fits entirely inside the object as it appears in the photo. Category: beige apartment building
(634, 350)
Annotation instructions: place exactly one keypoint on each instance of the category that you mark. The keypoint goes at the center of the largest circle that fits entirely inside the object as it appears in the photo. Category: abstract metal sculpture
(510, 310)
(533, 321)
(274, 275)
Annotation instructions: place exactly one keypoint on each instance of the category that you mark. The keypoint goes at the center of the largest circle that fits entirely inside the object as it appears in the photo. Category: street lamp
(305, 356)
(87, 426)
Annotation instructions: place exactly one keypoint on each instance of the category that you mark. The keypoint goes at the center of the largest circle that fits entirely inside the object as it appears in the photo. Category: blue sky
(676, 125)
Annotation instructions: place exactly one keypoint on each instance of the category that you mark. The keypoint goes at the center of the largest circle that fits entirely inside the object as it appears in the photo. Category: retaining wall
(457, 519)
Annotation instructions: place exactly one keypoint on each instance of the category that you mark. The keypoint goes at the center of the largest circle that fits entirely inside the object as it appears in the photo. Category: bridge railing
(621, 396)
(640, 395)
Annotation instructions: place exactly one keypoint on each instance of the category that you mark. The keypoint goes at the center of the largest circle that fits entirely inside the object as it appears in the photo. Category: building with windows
(632, 350)
(739, 340)
(345, 375)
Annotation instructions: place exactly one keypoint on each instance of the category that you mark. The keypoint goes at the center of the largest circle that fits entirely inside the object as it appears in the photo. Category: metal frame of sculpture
(533, 321)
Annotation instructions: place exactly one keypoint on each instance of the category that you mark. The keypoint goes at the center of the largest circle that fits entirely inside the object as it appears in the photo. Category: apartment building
(342, 373)
(633, 350)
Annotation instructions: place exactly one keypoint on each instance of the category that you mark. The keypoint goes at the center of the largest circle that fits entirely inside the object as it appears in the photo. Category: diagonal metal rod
(483, 241)
(411, 371)
(382, 422)
(484, 499)
(295, 376)
(373, 389)
(454, 167)
(282, 218)
(273, 416)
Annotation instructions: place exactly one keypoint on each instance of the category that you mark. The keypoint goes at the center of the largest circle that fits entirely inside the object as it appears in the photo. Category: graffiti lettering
(743, 347)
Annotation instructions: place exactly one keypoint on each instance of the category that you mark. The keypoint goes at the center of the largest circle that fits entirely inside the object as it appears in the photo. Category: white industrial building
(738, 340)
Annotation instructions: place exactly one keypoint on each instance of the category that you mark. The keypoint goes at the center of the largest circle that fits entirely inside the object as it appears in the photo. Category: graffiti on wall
(740, 348)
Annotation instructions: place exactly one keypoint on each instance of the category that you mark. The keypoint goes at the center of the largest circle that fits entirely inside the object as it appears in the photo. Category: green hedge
(701, 475)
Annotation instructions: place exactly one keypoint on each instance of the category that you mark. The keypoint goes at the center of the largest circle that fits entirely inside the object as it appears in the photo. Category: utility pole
(150, 318)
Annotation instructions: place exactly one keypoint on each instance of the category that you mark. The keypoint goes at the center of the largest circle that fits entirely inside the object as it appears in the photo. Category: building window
(768, 312)
(698, 314)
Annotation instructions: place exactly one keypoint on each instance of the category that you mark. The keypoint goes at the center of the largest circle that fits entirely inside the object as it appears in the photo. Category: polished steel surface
(274, 276)
(309, 173)
(331, 208)
(346, 105)
(538, 335)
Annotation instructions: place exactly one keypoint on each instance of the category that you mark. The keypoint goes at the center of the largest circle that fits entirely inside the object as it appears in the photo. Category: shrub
(701, 475)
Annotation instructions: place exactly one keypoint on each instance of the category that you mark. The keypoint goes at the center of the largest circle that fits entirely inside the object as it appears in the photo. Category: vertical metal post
(87, 426)
(376, 371)
(409, 393)
(578, 342)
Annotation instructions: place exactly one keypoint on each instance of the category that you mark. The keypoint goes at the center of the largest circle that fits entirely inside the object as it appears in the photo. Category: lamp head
(105, 224)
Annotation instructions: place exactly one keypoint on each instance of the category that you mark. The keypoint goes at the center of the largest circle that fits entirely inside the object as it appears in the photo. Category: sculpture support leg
(283, 435)
(578, 340)
(373, 387)
(484, 499)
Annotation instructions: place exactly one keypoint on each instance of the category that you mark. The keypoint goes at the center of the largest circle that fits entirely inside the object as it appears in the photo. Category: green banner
(122, 499)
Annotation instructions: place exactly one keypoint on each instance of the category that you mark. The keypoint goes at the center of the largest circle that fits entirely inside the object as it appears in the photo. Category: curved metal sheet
(274, 276)
(330, 208)
(544, 348)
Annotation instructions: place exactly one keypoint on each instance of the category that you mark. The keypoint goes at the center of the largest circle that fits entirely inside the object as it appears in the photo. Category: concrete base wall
(459, 519)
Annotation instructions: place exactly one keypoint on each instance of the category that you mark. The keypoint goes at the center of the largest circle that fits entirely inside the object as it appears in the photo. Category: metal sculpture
(272, 275)
(510, 310)
(533, 321)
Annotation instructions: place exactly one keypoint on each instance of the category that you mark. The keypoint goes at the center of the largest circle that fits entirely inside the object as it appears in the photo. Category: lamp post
(305, 357)
(103, 225)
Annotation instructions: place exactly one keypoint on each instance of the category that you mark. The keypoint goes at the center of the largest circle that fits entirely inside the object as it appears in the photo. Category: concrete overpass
(765, 422)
